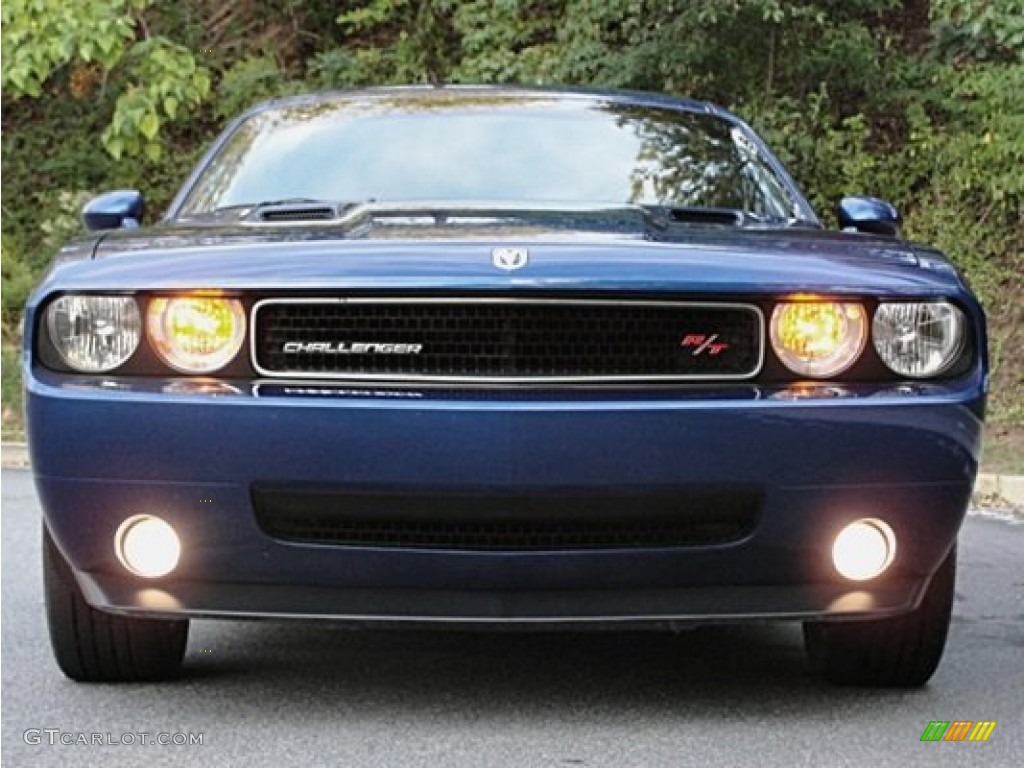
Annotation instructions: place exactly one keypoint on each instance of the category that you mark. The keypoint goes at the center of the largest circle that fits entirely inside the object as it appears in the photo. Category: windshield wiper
(649, 218)
(651, 221)
(271, 203)
(442, 213)
(737, 217)
(697, 214)
(284, 209)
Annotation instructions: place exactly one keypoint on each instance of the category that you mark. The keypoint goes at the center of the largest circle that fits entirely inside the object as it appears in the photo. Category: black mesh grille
(514, 523)
(502, 340)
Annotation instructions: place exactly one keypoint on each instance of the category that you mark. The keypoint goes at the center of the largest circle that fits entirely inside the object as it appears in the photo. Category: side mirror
(869, 214)
(114, 210)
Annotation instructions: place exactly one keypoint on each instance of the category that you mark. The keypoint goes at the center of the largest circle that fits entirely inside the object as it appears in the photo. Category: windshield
(497, 149)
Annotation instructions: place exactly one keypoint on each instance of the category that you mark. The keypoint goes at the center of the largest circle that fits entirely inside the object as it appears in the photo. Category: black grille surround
(507, 522)
(506, 340)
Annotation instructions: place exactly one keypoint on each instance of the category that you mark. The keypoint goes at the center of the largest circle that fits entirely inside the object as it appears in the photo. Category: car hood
(695, 259)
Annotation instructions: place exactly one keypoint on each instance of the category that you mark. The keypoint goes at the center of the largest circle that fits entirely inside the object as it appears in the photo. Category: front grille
(524, 522)
(506, 339)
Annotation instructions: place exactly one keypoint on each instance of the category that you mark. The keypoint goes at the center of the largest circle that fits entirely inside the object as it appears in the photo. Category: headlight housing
(196, 334)
(818, 338)
(918, 339)
(94, 334)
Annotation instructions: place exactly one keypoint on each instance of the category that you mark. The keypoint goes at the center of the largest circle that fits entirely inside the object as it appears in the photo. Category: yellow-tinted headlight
(196, 334)
(818, 338)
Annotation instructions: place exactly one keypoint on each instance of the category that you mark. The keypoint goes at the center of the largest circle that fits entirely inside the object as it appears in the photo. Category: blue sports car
(488, 357)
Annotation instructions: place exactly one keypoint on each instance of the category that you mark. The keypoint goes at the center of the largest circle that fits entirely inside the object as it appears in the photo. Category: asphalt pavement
(306, 694)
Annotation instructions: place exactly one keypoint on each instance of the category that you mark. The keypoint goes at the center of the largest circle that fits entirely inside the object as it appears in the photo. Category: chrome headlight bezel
(943, 313)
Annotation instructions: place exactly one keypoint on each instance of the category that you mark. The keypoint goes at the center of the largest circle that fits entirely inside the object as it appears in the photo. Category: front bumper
(193, 456)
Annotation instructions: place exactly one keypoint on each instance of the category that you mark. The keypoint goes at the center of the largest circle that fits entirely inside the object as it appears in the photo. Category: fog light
(147, 546)
(864, 549)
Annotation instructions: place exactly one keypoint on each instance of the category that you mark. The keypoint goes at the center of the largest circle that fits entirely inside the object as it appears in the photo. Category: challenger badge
(349, 348)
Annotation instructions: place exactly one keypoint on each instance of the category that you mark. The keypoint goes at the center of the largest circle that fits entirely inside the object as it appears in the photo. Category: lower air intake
(507, 522)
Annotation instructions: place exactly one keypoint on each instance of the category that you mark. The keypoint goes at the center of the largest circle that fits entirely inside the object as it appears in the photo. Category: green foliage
(40, 36)
(18, 278)
(248, 81)
(419, 40)
(506, 42)
(10, 394)
(829, 154)
(159, 79)
(166, 84)
(980, 30)
(984, 161)
(921, 103)
(336, 68)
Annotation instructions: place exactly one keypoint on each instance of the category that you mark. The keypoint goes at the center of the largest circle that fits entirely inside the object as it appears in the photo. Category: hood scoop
(714, 216)
(296, 212)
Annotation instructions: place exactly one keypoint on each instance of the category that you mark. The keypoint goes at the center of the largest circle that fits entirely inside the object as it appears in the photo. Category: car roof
(455, 95)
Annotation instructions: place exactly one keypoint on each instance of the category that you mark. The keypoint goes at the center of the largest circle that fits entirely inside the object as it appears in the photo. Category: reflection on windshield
(707, 163)
(496, 149)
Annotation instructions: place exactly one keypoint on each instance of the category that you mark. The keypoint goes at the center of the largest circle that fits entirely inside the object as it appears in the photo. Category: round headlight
(918, 339)
(818, 338)
(94, 334)
(196, 334)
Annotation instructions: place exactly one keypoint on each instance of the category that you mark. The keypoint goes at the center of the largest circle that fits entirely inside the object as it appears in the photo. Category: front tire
(93, 646)
(902, 651)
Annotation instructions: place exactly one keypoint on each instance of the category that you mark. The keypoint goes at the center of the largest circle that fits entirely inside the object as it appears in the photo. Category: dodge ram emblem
(509, 258)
